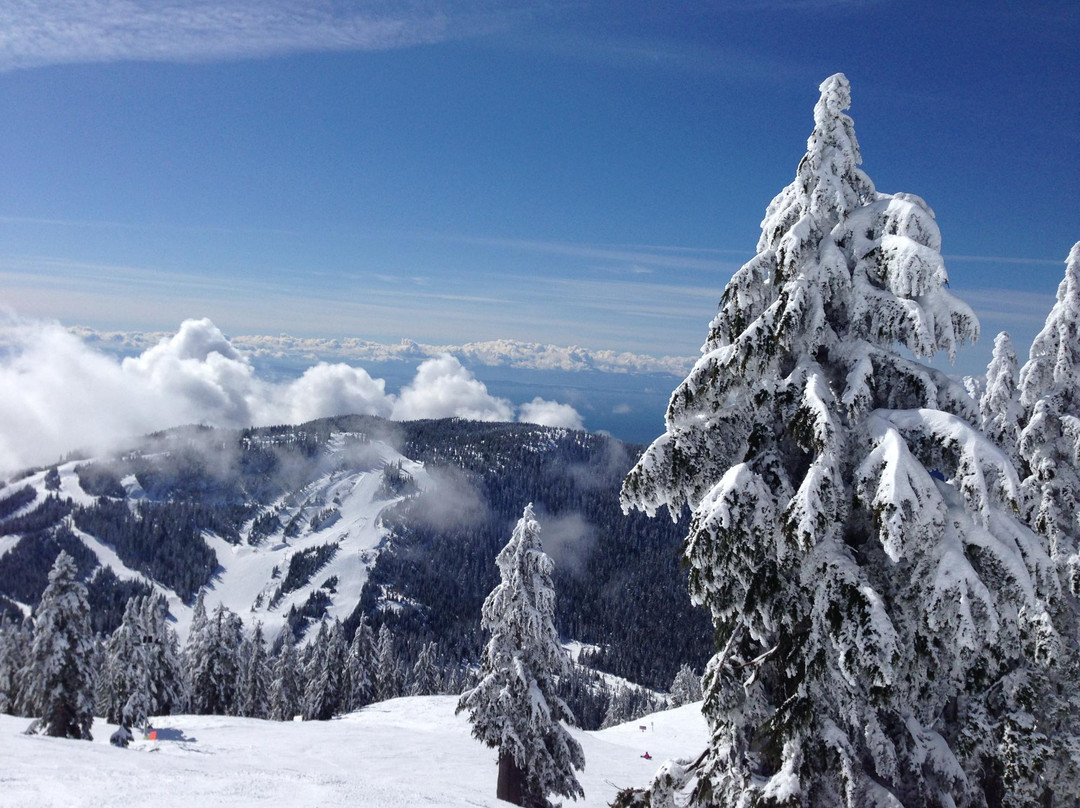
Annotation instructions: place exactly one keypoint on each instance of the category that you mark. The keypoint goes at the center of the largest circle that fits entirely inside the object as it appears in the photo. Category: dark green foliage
(161, 539)
(51, 510)
(302, 566)
(52, 479)
(24, 570)
(108, 595)
(15, 500)
(100, 480)
(314, 608)
(264, 525)
(324, 518)
(9, 610)
(587, 695)
(619, 585)
(292, 529)
(396, 482)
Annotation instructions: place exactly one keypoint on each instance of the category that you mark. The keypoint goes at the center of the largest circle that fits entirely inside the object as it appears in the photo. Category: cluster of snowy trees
(620, 585)
(53, 669)
(891, 573)
(1033, 414)
(140, 670)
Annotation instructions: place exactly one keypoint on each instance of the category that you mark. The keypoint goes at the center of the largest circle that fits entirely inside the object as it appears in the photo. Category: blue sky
(583, 173)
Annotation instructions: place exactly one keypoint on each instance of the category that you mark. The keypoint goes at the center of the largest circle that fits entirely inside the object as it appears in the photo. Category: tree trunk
(511, 780)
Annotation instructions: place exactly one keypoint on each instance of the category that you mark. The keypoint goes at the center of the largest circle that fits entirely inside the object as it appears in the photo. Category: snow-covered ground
(405, 752)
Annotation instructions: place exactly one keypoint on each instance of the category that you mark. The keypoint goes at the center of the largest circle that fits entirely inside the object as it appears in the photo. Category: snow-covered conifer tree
(193, 647)
(619, 710)
(686, 687)
(213, 659)
(324, 673)
(57, 680)
(1050, 441)
(877, 607)
(162, 655)
(387, 670)
(125, 688)
(314, 700)
(284, 689)
(360, 668)
(514, 707)
(14, 650)
(426, 677)
(255, 693)
(999, 406)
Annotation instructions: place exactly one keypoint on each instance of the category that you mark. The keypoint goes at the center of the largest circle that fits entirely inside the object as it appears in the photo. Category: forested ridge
(618, 577)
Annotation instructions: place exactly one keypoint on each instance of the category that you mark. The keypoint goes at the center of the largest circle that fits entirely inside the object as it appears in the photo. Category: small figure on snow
(121, 738)
(647, 756)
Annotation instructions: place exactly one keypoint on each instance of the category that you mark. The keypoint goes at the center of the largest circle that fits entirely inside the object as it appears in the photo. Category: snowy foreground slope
(405, 752)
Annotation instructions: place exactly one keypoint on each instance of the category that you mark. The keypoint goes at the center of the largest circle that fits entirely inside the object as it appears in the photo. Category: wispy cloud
(42, 32)
(91, 224)
(999, 259)
(636, 256)
(1009, 308)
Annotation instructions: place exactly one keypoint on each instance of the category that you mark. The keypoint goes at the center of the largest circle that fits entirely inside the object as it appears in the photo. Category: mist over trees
(619, 577)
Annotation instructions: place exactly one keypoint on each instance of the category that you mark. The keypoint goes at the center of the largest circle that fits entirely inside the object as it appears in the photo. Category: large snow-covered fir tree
(1050, 440)
(880, 614)
(58, 686)
(162, 653)
(514, 706)
(141, 675)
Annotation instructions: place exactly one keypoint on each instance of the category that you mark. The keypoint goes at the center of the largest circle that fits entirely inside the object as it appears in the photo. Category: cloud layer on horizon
(490, 353)
(58, 394)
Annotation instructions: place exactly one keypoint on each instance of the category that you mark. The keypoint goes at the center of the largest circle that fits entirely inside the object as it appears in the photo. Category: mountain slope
(360, 518)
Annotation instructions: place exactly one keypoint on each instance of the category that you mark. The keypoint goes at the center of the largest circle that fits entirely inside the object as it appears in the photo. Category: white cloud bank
(57, 394)
(492, 353)
(550, 413)
(42, 32)
(443, 388)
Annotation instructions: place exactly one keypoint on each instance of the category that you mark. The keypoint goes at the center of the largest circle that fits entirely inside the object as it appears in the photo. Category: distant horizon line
(507, 352)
